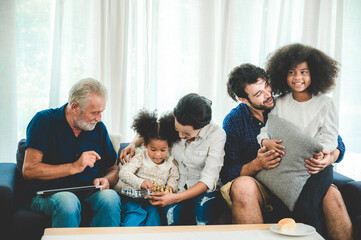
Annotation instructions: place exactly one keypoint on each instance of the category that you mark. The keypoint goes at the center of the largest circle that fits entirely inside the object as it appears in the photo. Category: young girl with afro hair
(152, 165)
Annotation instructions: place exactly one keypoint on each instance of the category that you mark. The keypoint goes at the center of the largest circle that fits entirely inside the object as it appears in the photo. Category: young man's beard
(261, 107)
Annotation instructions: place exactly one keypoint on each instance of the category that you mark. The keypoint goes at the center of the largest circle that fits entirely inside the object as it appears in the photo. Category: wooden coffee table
(209, 232)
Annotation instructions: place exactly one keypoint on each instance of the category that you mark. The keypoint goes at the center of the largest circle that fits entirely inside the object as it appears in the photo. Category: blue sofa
(17, 221)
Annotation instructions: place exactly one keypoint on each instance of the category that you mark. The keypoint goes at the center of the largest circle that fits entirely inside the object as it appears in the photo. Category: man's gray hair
(80, 91)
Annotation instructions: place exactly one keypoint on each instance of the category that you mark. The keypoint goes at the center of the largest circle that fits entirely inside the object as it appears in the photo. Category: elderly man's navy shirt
(241, 145)
(50, 133)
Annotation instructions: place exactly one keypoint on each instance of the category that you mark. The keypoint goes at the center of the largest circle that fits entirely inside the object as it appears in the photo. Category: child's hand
(146, 184)
(273, 144)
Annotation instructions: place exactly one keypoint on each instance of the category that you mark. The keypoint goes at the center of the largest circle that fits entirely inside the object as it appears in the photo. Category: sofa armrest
(339, 179)
(351, 193)
(7, 184)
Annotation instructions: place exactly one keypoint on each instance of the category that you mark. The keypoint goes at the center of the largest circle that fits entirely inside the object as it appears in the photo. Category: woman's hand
(130, 149)
(273, 144)
(162, 199)
(320, 161)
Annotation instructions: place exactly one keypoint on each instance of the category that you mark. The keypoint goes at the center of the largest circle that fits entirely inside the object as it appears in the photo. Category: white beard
(85, 126)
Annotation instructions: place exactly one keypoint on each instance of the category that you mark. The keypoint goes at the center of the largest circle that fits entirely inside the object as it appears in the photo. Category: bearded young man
(251, 202)
(70, 146)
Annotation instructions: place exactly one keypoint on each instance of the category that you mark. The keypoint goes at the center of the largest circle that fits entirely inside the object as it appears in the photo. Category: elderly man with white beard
(69, 147)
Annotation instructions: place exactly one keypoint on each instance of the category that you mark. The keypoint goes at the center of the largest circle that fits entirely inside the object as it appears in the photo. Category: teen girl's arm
(328, 137)
(315, 165)
(328, 131)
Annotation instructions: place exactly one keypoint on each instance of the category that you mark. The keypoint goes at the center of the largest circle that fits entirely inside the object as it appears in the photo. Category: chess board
(135, 193)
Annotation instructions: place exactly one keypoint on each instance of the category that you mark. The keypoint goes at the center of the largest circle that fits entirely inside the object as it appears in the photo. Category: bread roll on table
(286, 224)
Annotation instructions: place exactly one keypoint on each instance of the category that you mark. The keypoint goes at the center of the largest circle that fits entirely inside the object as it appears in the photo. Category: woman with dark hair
(199, 154)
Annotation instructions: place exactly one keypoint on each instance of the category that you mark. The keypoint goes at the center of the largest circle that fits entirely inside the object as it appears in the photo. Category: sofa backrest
(20, 154)
(22, 186)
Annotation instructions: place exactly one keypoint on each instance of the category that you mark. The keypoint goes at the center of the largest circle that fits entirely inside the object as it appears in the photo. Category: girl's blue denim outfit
(139, 214)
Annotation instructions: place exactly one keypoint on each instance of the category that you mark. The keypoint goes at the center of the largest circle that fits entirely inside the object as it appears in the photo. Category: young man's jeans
(201, 210)
(65, 208)
(139, 214)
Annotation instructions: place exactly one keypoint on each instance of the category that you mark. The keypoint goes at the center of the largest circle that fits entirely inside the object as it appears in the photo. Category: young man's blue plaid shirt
(241, 145)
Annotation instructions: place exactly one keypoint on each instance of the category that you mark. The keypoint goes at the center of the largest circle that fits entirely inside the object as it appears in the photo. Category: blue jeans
(201, 210)
(139, 214)
(64, 208)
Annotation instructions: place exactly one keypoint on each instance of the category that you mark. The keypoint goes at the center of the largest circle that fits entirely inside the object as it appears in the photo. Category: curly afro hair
(147, 125)
(242, 76)
(323, 69)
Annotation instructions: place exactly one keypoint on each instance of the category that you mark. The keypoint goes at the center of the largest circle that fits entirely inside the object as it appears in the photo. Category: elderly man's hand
(102, 181)
(87, 159)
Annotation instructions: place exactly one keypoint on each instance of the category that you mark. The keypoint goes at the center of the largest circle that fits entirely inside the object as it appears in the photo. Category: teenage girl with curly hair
(300, 76)
(324, 69)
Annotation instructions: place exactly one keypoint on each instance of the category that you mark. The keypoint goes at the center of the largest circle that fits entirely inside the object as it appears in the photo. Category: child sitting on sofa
(151, 165)
(301, 75)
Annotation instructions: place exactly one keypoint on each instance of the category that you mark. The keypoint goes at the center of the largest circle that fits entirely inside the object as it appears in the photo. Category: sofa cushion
(287, 180)
(351, 193)
(7, 188)
(115, 138)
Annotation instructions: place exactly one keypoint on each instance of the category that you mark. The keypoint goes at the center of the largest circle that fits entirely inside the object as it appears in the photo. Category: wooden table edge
(125, 230)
